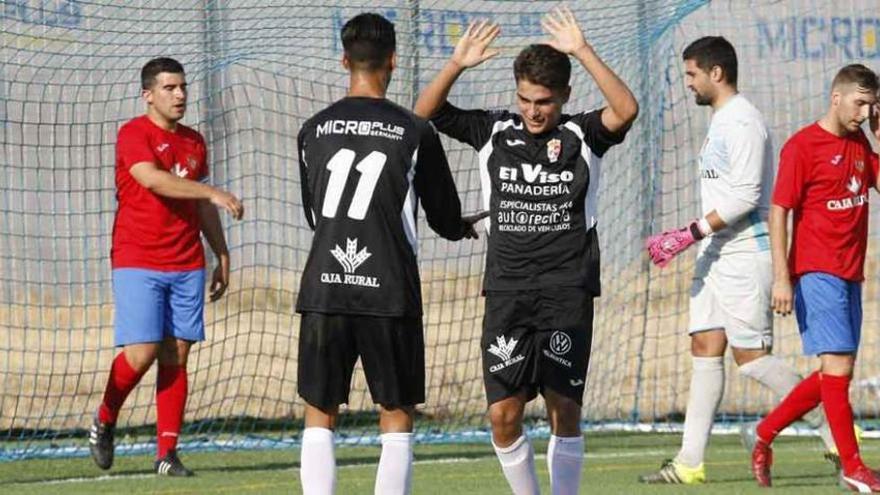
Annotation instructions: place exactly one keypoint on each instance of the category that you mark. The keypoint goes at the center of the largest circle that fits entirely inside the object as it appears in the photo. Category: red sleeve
(873, 165)
(133, 146)
(791, 176)
(203, 156)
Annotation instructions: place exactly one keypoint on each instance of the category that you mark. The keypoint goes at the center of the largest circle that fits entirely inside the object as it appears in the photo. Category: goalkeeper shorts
(537, 339)
(733, 292)
(392, 352)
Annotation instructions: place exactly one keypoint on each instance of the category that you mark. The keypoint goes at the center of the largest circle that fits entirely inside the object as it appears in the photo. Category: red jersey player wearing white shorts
(164, 204)
(825, 172)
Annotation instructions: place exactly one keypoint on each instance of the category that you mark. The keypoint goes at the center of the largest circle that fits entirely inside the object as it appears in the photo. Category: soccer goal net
(69, 78)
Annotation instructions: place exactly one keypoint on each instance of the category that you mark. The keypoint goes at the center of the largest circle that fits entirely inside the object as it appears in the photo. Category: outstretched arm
(472, 50)
(567, 37)
(163, 183)
(437, 192)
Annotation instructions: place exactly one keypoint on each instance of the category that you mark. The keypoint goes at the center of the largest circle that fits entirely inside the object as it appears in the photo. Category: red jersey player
(158, 261)
(825, 171)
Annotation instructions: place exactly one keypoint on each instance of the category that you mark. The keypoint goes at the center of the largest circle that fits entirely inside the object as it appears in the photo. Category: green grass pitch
(614, 460)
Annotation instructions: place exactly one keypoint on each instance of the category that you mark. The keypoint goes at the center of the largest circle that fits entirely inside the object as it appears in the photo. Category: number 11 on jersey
(340, 166)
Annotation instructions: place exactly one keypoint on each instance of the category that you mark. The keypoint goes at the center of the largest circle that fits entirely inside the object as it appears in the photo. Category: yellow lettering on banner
(869, 40)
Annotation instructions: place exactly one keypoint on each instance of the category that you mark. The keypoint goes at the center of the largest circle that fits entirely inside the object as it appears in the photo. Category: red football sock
(123, 378)
(803, 398)
(835, 399)
(171, 391)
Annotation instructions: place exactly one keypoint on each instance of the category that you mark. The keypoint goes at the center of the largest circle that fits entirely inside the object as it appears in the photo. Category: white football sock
(394, 476)
(824, 431)
(565, 457)
(317, 463)
(518, 464)
(707, 386)
(775, 374)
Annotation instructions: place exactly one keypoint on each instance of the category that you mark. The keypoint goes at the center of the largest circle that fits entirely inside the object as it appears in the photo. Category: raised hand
(566, 35)
(473, 47)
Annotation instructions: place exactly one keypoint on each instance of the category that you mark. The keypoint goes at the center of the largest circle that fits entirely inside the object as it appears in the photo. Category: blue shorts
(829, 313)
(152, 305)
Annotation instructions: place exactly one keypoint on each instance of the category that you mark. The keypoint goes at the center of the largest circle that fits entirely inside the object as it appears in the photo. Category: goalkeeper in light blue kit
(731, 290)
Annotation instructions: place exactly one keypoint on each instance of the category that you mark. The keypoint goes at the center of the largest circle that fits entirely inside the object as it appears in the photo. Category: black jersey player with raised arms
(540, 173)
(365, 165)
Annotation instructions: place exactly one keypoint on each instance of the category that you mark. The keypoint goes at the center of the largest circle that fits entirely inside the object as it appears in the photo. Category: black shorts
(534, 340)
(392, 352)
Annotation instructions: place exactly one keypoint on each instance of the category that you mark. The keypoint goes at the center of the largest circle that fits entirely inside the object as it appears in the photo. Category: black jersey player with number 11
(366, 163)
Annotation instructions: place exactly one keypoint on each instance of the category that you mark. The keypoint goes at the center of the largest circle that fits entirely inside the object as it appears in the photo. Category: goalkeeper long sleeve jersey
(736, 177)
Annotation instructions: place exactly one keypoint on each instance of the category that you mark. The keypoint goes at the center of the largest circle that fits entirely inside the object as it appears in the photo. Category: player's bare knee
(141, 356)
(140, 362)
(743, 356)
(320, 417)
(506, 419)
(710, 343)
(396, 419)
(174, 352)
(564, 414)
(503, 418)
(838, 364)
(506, 435)
(397, 411)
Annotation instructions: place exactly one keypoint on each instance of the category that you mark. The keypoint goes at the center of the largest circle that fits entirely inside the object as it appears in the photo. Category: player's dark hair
(155, 67)
(860, 75)
(542, 64)
(710, 51)
(369, 41)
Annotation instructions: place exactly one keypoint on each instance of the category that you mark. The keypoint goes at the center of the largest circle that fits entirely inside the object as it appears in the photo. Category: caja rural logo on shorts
(350, 259)
(503, 349)
(558, 345)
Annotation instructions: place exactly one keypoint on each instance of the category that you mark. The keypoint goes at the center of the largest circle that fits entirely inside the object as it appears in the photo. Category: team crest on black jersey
(554, 148)
(350, 259)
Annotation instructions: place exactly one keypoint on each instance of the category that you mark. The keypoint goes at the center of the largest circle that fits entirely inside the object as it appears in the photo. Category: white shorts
(733, 293)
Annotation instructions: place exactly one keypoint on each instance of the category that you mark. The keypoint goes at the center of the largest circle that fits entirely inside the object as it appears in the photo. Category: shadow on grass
(31, 478)
(786, 481)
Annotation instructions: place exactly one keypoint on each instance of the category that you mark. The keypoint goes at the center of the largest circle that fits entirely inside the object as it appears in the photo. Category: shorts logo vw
(560, 343)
